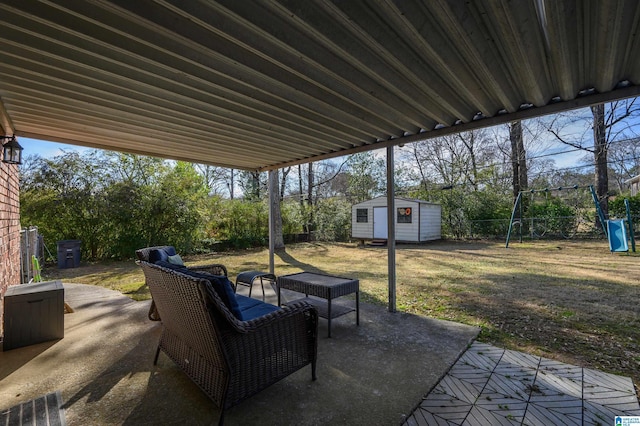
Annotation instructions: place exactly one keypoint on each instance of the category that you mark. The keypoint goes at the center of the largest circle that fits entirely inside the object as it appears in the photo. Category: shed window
(362, 215)
(405, 214)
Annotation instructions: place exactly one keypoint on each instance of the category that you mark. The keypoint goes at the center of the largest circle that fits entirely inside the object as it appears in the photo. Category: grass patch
(572, 301)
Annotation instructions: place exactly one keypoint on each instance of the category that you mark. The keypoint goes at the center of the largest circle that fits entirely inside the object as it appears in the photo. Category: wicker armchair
(143, 254)
(229, 359)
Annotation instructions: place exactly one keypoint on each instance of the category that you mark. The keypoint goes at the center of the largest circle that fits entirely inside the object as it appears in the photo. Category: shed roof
(412, 200)
(262, 84)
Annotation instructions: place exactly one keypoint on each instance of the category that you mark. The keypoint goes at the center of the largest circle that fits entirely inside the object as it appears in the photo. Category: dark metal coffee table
(326, 287)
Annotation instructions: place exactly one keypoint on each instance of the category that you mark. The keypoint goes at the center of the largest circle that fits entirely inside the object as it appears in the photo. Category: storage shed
(416, 220)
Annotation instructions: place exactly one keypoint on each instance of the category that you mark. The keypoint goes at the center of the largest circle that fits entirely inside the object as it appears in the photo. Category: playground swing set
(619, 232)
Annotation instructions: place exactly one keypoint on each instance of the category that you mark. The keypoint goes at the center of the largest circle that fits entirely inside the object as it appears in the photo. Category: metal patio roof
(262, 84)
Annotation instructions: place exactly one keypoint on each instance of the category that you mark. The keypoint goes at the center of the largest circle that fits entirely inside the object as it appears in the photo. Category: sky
(46, 149)
(51, 149)
(562, 160)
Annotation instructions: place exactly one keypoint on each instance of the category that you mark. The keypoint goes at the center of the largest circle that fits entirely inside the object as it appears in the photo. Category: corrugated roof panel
(257, 85)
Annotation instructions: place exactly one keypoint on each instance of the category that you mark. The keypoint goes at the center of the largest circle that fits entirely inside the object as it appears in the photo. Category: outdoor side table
(33, 313)
(326, 287)
(247, 278)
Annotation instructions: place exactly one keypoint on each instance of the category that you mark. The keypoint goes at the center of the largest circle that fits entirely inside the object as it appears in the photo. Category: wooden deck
(492, 386)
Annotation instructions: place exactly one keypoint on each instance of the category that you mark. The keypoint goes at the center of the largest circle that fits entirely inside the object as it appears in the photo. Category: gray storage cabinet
(33, 313)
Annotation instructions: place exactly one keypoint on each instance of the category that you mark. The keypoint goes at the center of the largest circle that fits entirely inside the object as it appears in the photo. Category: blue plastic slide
(617, 232)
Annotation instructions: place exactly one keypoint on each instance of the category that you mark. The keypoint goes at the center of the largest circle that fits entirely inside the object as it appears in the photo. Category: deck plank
(491, 386)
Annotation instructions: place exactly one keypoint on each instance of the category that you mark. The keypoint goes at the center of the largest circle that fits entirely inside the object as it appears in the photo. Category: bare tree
(251, 184)
(216, 178)
(624, 160)
(608, 123)
(459, 159)
(316, 180)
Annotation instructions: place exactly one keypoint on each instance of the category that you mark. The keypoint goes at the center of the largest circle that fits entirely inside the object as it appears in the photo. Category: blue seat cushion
(245, 302)
(253, 308)
(169, 265)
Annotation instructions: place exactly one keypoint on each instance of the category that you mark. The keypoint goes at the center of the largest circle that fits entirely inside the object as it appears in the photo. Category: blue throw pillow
(224, 288)
(161, 254)
(221, 285)
(158, 255)
(175, 259)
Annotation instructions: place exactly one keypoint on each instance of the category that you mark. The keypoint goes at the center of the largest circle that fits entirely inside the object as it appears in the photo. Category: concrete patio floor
(372, 374)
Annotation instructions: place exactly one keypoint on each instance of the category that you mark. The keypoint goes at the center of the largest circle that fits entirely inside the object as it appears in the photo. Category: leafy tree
(365, 176)
(63, 197)
(113, 203)
(618, 209)
(131, 168)
(126, 219)
(553, 215)
(177, 207)
(333, 219)
(488, 211)
(134, 180)
(242, 223)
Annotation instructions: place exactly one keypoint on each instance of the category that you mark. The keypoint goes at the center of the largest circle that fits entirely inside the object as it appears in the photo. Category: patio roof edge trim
(6, 125)
(70, 141)
(551, 108)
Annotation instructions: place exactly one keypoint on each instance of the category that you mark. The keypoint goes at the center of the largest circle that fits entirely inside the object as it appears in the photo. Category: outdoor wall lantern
(11, 150)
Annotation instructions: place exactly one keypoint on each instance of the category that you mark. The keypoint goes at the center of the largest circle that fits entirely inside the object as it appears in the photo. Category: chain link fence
(532, 228)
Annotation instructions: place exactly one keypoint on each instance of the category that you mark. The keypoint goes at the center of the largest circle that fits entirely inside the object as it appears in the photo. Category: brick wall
(9, 228)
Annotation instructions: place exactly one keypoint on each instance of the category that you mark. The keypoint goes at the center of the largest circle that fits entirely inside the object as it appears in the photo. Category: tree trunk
(600, 149)
(283, 182)
(310, 202)
(468, 139)
(518, 159)
(274, 205)
(300, 188)
(255, 179)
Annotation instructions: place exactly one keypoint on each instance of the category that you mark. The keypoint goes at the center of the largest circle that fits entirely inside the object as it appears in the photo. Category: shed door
(380, 222)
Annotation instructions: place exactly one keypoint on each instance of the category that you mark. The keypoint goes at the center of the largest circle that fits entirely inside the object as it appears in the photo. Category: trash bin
(68, 254)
